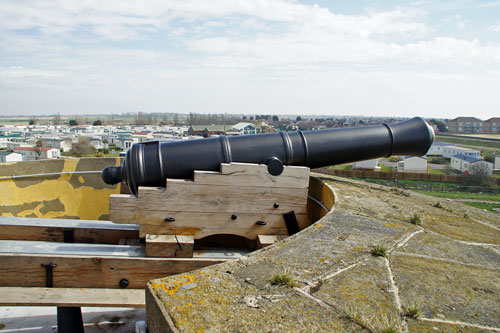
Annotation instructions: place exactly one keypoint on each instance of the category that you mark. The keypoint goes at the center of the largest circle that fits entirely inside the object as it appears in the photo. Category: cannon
(150, 163)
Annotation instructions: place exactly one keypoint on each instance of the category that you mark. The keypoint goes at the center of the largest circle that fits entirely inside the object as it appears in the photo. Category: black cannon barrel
(150, 163)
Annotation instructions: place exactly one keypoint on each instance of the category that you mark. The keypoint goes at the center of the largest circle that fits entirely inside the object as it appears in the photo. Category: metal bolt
(261, 223)
(123, 283)
(276, 205)
(169, 219)
(234, 217)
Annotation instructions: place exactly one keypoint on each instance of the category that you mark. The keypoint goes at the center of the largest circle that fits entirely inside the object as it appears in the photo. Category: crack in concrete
(407, 239)
(488, 245)
(460, 323)
(395, 292)
(450, 261)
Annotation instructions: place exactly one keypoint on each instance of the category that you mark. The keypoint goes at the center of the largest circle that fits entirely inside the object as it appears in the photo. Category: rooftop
(467, 158)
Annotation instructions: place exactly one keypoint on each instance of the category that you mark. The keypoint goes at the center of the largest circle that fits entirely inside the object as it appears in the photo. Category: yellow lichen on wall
(83, 196)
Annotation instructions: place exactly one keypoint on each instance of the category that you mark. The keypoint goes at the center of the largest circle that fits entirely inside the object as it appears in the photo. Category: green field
(469, 142)
(484, 205)
(461, 195)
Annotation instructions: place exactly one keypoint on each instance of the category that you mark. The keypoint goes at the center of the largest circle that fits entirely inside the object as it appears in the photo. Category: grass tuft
(283, 278)
(416, 219)
(412, 311)
(379, 251)
(437, 205)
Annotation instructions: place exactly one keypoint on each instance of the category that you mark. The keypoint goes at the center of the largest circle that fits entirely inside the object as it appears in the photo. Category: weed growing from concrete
(416, 219)
(389, 325)
(412, 311)
(379, 251)
(466, 215)
(283, 278)
(437, 205)
(358, 318)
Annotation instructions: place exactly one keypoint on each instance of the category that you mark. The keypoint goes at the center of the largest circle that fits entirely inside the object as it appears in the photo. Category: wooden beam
(187, 196)
(266, 240)
(71, 297)
(201, 225)
(53, 230)
(25, 270)
(254, 174)
(169, 246)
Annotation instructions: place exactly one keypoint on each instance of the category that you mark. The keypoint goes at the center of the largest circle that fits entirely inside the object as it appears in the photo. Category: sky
(424, 58)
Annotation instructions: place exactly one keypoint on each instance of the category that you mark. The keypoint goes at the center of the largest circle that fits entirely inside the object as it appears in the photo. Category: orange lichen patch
(170, 285)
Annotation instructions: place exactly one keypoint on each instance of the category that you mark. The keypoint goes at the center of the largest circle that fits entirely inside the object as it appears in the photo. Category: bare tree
(57, 120)
(478, 175)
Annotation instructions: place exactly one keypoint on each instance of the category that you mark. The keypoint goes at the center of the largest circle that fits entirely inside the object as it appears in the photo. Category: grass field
(469, 142)
(484, 205)
(462, 195)
(436, 171)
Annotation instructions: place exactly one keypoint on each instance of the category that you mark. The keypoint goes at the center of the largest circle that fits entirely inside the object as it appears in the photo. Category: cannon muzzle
(150, 163)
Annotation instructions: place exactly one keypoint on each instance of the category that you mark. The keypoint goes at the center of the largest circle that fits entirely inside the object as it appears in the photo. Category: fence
(449, 188)
(395, 175)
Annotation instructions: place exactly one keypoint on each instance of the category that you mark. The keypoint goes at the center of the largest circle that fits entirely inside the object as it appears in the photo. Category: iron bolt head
(123, 283)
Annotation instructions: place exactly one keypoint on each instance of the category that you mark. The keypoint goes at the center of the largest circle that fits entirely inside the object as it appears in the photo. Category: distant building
(466, 125)
(437, 148)
(366, 165)
(209, 130)
(38, 153)
(449, 151)
(245, 128)
(124, 143)
(492, 125)
(470, 164)
(63, 145)
(142, 136)
(474, 125)
(5, 139)
(413, 164)
(9, 156)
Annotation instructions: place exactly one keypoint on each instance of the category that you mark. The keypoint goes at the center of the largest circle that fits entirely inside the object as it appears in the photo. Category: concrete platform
(447, 268)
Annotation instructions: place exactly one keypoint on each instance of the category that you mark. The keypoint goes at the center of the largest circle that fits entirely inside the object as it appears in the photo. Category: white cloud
(494, 28)
(239, 56)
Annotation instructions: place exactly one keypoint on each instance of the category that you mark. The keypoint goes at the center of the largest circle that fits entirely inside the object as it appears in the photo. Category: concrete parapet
(437, 275)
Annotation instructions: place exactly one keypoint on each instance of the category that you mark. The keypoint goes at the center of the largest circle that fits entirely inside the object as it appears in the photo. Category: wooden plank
(25, 270)
(250, 168)
(257, 180)
(103, 232)
(254, 174)
(169, 246)
(15, 246)
(72, 297)
(186, 196)
(200, 225)
(266, 240)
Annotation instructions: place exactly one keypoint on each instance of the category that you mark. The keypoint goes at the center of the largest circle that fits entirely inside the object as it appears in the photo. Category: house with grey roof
(449, 151)
(470, 164)
(413, 164)
(10, 156)
(437, 148)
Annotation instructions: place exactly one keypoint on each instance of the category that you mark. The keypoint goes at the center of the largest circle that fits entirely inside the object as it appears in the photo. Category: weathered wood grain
(72, 297)
(169, 246)
(25, 270)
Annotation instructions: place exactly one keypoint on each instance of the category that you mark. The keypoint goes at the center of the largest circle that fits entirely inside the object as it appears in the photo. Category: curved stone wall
(76, 196)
